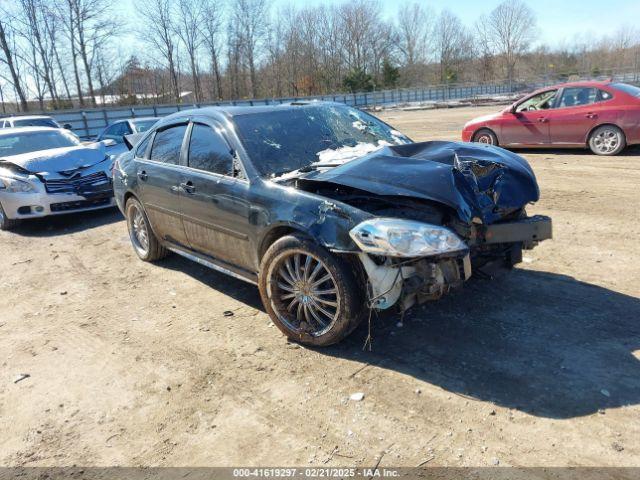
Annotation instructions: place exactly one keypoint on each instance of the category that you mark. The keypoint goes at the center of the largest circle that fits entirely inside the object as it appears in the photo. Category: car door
(214, 200)
(160, 175)
(528, 123)
(576, 114)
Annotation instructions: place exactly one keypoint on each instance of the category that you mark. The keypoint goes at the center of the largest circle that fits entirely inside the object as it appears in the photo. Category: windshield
(626, 88)
(282, 141)
(35, 122)
(27, 142)
(144, 125)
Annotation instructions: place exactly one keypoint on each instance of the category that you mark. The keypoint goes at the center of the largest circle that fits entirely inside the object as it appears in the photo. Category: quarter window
(142, 148)
(603, 96)
(209, 151)
(167, 145)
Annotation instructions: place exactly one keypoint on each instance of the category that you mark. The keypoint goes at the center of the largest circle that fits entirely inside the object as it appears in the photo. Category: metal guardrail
(88, 123)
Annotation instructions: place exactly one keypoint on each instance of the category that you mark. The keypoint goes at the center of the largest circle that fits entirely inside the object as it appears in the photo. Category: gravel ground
(137, 364)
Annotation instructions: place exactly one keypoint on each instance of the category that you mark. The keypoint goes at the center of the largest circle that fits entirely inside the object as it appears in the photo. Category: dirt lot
(136, 364)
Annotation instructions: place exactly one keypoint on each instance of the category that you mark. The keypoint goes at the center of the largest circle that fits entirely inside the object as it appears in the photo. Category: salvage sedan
(47, 171)
(603, 116)
(330, 211)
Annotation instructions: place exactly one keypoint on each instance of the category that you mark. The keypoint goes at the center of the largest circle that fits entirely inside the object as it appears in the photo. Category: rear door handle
(142, 175)
(591, 115)
(188, 187)
(543, 120)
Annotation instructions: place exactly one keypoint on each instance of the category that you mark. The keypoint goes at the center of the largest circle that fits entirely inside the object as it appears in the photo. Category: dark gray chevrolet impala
(330, 211)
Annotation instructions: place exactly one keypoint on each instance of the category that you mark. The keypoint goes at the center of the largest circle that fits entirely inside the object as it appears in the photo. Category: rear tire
(7, 223)
(485, 136)
(144, 242)
(607, 140)
(306, 308)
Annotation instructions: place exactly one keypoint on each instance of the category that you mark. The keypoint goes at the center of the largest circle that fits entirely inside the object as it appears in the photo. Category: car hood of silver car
(63, 161)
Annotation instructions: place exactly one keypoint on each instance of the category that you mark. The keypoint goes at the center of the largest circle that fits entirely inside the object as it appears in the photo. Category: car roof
(583, 83)
(27, 117)
(14, 130)
(134, 119)
(231, 111)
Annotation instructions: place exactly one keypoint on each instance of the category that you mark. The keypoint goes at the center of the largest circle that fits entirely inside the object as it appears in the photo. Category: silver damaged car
(48, 171)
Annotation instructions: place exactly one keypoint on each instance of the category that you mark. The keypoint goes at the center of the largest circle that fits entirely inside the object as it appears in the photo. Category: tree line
(64, 53)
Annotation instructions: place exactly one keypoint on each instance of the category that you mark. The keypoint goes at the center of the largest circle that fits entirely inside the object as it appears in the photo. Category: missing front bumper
(527, 231)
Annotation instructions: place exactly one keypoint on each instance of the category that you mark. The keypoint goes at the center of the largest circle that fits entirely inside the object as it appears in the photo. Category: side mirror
(67, 126)
(108, 142)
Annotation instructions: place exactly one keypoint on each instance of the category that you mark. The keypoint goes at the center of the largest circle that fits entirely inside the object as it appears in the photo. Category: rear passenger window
(167, 144)
(209, 151)
(577, 96)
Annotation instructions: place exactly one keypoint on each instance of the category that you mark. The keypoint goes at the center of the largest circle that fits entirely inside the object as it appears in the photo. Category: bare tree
(211, 28)
(35, 24)
(512, 26)
(452, 43)
(158, 30)
(251, 20)
(190, 15)
(7, 44)
(415, 26)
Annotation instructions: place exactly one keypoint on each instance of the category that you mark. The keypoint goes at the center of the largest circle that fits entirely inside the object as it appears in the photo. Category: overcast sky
(558, 20)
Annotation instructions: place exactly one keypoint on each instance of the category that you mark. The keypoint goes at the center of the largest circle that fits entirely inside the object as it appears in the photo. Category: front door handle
(188, 187)
(543, 120)
(591, 115)
(142, 175)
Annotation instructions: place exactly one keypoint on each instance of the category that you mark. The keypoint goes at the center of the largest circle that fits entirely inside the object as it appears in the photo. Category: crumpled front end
(56, 182)
(442, 211)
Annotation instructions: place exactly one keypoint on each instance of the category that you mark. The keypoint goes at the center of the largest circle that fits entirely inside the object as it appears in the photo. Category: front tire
(311, 295)
(144, 242)
(607, 140)
(485, 136)
(7, 223)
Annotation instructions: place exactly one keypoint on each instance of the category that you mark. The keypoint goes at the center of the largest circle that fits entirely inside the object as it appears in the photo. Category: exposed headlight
(13, 185)
(396, 237)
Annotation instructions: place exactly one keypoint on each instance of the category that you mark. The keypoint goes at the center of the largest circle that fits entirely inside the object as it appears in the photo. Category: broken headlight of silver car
(13, 185)
(396, 237)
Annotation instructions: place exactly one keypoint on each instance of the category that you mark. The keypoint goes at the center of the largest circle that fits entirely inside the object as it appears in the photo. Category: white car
(30, 121)
(48, 171)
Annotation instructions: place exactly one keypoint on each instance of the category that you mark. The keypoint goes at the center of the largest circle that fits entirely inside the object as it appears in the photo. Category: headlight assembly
(396, 237)
(13, 185)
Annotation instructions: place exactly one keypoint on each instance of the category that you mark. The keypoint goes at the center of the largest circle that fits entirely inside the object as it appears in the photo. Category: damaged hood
(63, 161)
(475, 180)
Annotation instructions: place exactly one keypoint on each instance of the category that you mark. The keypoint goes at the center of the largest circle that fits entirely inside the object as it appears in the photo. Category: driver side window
(541, 101)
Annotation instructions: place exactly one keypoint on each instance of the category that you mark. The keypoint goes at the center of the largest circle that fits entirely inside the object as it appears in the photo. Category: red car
(604, 116)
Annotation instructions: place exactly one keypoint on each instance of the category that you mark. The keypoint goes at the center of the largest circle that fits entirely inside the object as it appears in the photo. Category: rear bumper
(527, 231)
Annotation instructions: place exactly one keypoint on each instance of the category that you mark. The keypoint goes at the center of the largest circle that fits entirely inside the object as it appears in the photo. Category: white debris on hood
(273, 144)
(345, 154)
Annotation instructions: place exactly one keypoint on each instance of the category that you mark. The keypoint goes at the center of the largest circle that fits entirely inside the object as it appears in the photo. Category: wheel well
(473, 135)
(606, 125)
(273, 235)
(127, 196)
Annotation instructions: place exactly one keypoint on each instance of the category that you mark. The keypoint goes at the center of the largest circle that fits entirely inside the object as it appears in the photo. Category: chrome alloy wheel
(303, 293)
(138, 231)
(485, 138)
(606, 141)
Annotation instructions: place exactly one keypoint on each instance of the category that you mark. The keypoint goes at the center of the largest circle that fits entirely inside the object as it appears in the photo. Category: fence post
(106, 117)
(85, 123)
